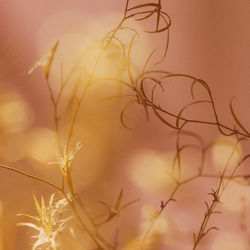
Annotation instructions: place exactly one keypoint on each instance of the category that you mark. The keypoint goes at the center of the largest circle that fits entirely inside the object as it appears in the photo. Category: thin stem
(30, 176)
(71, 203)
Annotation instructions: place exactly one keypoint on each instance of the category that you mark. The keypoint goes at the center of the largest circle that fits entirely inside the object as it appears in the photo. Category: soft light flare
(150, 170)
(229, 241)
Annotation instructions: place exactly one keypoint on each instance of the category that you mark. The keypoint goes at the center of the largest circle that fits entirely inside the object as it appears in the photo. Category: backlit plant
(142, 86)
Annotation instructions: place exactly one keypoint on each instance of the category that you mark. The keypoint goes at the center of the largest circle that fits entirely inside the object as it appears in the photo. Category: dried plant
(50, 225)
(140, 86)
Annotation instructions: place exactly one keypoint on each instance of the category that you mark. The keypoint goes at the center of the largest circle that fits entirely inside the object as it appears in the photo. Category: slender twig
(30, 176)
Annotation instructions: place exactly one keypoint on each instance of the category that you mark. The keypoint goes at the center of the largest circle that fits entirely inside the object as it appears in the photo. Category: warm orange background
(209, 39)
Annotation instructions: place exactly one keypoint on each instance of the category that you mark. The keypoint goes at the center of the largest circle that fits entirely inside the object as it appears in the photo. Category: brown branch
(30, 176)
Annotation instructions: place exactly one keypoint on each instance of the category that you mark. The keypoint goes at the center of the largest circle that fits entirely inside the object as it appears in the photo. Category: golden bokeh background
(208, 39)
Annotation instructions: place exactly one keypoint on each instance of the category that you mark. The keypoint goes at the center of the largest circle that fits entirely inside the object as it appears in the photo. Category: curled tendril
(122, 114)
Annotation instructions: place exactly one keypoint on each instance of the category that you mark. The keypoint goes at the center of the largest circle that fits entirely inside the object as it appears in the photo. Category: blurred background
(208, 39)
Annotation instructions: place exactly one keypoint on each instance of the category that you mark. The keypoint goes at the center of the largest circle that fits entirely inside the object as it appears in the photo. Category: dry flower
(66, 158)
(48, 222)
(45, 61)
